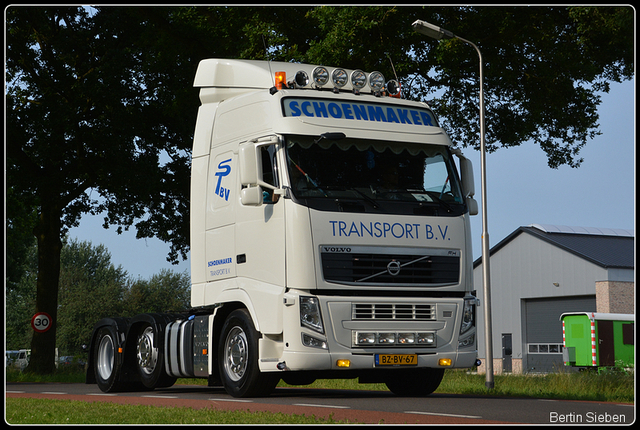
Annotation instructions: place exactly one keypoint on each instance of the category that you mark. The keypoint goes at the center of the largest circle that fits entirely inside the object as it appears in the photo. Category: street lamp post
(438, 33)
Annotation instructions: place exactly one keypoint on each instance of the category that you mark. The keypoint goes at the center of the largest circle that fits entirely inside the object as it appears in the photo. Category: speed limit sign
(41, 322)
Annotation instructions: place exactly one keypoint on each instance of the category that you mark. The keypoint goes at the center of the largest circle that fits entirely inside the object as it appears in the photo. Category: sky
(521, 190)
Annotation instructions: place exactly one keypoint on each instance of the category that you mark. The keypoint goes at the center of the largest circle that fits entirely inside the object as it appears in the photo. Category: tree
(75, 97)
(91, 288)
(164, 292)
(94, 98)
(543, 66)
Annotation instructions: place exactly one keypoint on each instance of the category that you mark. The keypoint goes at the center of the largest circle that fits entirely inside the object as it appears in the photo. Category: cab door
(260, 230)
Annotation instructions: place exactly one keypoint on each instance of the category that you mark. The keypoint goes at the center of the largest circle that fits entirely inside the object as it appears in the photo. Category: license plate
(396, 359)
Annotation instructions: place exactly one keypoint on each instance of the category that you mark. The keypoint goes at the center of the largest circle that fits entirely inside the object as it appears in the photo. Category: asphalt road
(357, 406)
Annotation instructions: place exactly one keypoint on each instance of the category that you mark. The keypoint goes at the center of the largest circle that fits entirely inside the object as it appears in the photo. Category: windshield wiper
(366, 197)
(442, 202)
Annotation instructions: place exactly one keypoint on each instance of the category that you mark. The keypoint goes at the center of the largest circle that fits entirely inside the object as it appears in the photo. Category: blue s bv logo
(223, 170)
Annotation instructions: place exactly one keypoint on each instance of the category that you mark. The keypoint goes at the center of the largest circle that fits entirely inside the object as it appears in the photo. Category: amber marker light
(343, 363)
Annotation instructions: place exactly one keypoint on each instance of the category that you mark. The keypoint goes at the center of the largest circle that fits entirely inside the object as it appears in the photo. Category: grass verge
(612, 386)
(39, 411)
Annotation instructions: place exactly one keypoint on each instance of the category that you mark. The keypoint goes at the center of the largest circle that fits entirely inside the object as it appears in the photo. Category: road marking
(52, 392)
(101, 394)
(161, 397)
(15, 392)
(230, 400)
(321, 406)
(442, 415)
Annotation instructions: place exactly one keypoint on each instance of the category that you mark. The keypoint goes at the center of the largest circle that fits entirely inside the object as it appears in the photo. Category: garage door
(543, 329)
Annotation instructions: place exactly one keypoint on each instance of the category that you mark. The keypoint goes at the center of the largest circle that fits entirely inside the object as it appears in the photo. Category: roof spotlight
(320, 76)
(301, 79)
(339, 78)
(358, 79)
(376, 81)
(393, 88)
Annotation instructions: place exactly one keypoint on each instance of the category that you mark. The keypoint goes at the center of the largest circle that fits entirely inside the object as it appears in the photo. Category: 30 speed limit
(41, 322)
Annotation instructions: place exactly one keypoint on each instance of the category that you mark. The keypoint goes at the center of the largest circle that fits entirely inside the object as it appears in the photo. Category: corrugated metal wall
(543, 329)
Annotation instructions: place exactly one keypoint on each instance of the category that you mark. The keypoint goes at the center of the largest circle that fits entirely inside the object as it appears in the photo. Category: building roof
(608, 248)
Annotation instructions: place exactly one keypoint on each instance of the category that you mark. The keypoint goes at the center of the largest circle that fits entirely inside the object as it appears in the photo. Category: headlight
(406, 338)
(468, 314)
(386, 338)
(364, 338)
(313, 342)
(426, 339)
(310, 313)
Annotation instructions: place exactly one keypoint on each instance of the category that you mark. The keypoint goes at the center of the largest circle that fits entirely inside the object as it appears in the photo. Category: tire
(150, 359)
(238, 358)
(104, 363)
(414, 383)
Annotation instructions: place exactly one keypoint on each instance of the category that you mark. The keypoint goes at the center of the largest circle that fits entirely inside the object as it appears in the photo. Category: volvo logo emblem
(393, 268)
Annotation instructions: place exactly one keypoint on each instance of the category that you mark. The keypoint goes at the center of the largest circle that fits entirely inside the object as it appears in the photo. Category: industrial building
(539, 272)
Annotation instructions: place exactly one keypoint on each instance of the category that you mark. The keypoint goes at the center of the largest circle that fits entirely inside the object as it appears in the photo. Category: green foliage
(91, 288)
(164, 292)
(19, 304)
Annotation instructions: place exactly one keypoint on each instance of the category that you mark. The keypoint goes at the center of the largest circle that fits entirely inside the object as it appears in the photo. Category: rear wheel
(414, 383)
(105, 360)
(238, 358)
(150, 358)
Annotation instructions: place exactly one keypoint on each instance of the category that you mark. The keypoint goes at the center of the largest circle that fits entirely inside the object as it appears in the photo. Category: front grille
(430, 267)
(392, 311)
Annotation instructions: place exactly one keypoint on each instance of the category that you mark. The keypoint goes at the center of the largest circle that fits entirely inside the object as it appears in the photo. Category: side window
(269, 171)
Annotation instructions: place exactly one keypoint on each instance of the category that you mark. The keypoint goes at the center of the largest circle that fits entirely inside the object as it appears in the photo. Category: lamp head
(431, 30)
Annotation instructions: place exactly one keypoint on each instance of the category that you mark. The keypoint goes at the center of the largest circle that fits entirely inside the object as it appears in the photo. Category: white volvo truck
(330, 238)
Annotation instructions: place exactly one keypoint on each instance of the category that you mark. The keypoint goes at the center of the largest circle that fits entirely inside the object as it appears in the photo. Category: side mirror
(468, 184)
(250, 164)
(251, 196)
(466, 176)
(472, 204)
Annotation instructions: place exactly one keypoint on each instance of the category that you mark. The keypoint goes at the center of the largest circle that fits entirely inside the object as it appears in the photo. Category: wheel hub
(147, 355)
(236, 354)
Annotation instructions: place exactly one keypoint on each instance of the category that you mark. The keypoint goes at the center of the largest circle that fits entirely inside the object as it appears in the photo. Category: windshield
(384, 176)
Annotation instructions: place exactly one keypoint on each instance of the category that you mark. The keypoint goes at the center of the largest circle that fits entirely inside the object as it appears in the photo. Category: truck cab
(335, 216)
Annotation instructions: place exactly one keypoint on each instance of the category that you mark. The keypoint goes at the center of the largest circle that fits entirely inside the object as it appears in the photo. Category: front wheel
(238, 358)
(415, 382)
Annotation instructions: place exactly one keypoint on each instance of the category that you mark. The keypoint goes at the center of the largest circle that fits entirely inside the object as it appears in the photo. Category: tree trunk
(47, 232)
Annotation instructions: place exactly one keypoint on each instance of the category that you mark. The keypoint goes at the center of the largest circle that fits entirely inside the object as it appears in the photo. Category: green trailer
(592, 339)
